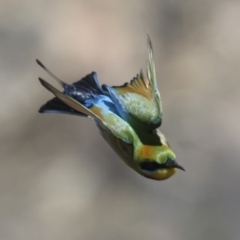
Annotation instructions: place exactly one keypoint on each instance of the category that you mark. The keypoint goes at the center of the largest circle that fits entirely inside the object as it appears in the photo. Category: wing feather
(139, 101)
(108, 121)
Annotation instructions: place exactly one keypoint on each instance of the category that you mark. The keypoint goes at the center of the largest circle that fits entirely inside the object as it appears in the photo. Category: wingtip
(147, 33)
(40, 110)
(40, 63)
(45, 84)
(41, 81)
(63, 84)
(150, 47)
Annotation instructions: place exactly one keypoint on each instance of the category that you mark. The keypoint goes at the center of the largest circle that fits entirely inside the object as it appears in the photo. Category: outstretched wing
(106, 120)
(139, 101)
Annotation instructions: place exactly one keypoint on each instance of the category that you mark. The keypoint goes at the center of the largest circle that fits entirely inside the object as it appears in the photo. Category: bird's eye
(150, 166)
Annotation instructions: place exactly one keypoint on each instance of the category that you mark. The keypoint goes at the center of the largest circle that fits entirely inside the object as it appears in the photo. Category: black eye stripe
(154, 166)
(150, 166)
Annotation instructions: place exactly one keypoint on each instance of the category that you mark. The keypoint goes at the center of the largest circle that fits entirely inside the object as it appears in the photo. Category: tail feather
(57, 106)
(89, 83)
(87, 88)
(68, 100)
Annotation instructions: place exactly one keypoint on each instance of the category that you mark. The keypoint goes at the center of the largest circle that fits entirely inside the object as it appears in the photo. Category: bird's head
(159, 169)
(157, 162)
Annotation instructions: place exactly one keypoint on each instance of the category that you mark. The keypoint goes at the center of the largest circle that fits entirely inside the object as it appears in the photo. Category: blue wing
(86, 91)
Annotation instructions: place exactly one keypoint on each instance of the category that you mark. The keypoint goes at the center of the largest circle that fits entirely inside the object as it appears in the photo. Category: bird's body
(128, 117)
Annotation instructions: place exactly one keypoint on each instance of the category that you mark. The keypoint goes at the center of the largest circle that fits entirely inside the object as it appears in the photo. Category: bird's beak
(176, 165)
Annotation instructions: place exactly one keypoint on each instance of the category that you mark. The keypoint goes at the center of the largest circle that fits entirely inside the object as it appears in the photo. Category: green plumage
(128, 117)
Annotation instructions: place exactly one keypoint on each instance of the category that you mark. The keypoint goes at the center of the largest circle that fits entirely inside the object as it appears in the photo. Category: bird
(128, 116)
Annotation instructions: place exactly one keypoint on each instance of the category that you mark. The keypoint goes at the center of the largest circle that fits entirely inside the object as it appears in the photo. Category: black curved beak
(176, 165)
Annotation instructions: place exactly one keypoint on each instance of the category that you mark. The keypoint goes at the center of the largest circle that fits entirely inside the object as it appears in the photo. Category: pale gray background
(60, 180)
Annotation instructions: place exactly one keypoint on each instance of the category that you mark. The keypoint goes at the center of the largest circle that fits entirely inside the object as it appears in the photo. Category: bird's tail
(72, 103)
(81, 91)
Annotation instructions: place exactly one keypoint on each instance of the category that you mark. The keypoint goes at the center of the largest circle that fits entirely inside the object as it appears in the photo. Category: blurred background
(60, 180)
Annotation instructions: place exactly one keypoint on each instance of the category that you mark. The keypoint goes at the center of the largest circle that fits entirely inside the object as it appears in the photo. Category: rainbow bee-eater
(128, 117)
